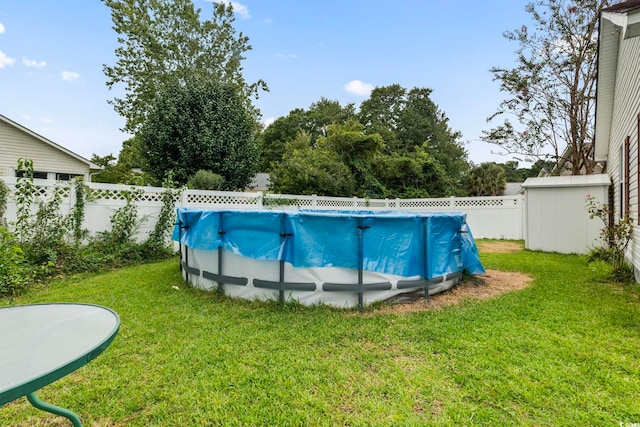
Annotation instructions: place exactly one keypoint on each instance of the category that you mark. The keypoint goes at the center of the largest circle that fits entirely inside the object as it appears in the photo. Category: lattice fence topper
(286, 201)
(135, 195)
(376, 203)
(479, 202)
(491, 217)
(425, 203)
(486, 202)
(120, 193)
(47, 192)
(336, 203)
(219, 199)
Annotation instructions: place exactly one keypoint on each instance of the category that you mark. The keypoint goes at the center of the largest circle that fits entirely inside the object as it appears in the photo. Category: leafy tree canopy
(307, 170)
(160, 41)
(551, 89)
(392, 124)
(205, 180)
(409, 120)
(314, 122)
(200, 124)
(488, 179)
(411, 175)
(117, 172)
(355, 149)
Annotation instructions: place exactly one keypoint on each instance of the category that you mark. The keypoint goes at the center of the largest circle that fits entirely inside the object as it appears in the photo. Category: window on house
(67, 176)
(627, 176)
(624, 177)
(621, 182)
(36, 174)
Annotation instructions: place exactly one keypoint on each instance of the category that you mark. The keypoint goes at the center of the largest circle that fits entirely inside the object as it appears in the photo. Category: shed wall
(556, 223)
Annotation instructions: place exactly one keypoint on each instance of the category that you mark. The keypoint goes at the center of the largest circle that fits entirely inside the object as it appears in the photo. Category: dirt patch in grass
(500, 247)
(481, 287)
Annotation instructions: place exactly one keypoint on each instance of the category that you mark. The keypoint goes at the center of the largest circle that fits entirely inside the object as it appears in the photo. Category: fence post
(72, 194)
(489, 220)
(184, 198)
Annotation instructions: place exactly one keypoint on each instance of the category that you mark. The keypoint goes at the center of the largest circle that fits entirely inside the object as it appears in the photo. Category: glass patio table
(41, 343)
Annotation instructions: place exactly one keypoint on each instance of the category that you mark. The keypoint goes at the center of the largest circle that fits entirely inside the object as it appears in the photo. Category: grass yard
(562, 352)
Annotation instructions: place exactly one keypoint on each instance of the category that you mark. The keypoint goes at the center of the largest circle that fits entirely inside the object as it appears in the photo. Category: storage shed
(556, 216)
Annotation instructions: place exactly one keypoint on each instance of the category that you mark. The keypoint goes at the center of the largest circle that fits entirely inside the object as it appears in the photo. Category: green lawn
(563, 352)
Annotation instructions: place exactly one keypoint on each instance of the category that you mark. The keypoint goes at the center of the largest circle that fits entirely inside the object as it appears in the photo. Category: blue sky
(51, 57)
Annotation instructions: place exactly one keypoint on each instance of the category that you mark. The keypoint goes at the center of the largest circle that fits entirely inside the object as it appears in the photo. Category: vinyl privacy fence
(499, 217)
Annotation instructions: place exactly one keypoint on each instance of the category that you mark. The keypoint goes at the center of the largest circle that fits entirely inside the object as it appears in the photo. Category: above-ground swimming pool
(338, 258)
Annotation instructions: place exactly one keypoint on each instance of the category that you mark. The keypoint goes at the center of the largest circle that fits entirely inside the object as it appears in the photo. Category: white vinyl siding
(624, 123)
(15, 143)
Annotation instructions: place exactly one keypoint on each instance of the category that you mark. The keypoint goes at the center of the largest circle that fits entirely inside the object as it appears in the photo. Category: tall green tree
(488, 179)
(273, 140)
(423, 124)
(160, 41)
(356, 149)
(512, 172)
(312, 170)
(409, 119)
(539, 166)
(380, 113)
(200, 124)
(551, 90)
(324, 113)
(313, 121)
(411, 175)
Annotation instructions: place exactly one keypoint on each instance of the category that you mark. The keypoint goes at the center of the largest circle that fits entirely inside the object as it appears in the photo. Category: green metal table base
(33, 399)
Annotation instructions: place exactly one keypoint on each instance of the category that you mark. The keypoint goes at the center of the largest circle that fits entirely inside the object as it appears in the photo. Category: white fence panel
(494, 217)
(488, 217)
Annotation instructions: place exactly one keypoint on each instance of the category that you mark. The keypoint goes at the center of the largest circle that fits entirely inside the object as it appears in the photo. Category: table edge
(33, 385)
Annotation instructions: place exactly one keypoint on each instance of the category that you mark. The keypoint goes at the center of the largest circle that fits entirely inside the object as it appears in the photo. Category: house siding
(608, 55)
(15, 144)
(624, 123)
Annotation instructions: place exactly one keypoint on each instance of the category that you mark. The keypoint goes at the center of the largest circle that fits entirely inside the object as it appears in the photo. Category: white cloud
(359, 88)
(69, 76)
(1, 28)
(267, 122)
(5, 60)
(32, 63)
(238, 8)
(287, 55)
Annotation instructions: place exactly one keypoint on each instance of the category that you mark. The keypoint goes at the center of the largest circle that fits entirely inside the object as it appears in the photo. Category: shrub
(76, 216)
(615, 236)
(46, 233)
(25, 191)
(124, 222)
(4, 194)
(156, 245)
(206, 180)
(49, 243)
(14, 272)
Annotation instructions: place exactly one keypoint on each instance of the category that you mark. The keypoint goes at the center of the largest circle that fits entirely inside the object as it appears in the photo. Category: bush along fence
(500, 217)
(43, 229)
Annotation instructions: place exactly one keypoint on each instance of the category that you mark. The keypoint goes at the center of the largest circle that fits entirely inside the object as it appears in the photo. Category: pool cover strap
(393, 242)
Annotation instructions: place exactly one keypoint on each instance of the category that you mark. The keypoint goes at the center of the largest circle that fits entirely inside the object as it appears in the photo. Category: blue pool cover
(426, 244)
